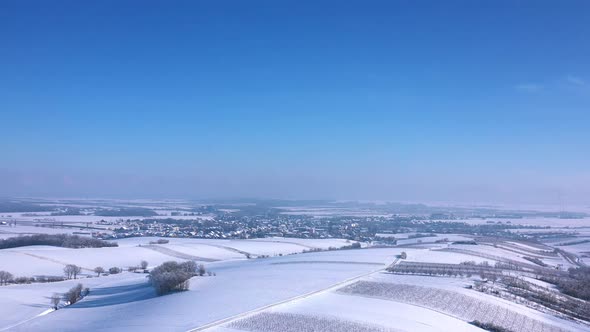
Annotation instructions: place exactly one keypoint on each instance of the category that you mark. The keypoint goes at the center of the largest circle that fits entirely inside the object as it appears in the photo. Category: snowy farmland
(406, 281)
(44, 260)
(311, 289)
(257, 282)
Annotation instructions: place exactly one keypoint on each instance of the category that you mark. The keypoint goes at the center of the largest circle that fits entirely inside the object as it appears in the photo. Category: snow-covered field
(43, 260)
(238, 287)
(510, 253)
(366, 312)
(301, 290)
(329, 211)
(459, 303)
(19, 217)
(540, 221)
(431, 239)
(6, 231)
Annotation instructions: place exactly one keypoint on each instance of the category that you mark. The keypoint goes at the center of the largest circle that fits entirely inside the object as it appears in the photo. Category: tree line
(57, 240)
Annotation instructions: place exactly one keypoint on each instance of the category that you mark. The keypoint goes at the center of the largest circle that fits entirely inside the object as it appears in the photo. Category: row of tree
(576, 284)
(71, 271)
(56, 240)
(7, 278)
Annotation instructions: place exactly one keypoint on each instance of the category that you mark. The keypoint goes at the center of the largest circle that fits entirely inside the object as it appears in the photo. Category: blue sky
(484, 101)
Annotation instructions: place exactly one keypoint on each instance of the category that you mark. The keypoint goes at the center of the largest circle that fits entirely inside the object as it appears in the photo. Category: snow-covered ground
(369, 312)
(456, 289)
(437, 237)
(6, 231)
(539, 221)
(238, 287)
(44, 260)
(513, 254)
(330, 211)
(19, 217)
(301, 285)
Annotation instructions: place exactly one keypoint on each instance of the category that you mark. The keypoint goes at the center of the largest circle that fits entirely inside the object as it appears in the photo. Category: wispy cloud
(529, 87)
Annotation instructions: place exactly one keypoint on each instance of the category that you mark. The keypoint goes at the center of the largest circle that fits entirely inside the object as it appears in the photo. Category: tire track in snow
(7, 328)
(177, 254)
(53, 260)
(230, 249)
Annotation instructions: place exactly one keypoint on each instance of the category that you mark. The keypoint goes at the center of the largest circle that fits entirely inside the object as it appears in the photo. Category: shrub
(172, 276)
(489, 326)
(49, 278)
(115, 270)
(23, 280)
(74, 294)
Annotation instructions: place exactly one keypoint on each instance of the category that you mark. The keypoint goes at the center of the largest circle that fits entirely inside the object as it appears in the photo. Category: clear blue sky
(477, 101)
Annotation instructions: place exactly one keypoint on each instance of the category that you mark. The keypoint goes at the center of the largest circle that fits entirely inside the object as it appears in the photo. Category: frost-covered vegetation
(291, 322)
(490, 327)
(172, 276)
(452, 303)
(535, 296)
(76, 293)
(72, 271)
(57, 240)
(5, 277)
(577, 285)
(10, 206)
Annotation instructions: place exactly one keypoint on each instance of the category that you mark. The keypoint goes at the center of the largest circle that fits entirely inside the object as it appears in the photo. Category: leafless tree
(74, 294)
(55, 300)
(5, 277)
(72, 270)
(201, 270)
(144, 265)
(98, 270)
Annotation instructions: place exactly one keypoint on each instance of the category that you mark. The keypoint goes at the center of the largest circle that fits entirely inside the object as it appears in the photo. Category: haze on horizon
(378, 100)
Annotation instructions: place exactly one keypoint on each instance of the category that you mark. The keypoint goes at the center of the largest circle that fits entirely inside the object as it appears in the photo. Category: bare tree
(143, 265)
(98, 270)
(493, 277)
(403, 255)
(74, 294)
(201, 269)
(189, 267)
(72, 270)
(5, 277)
(55, 300)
